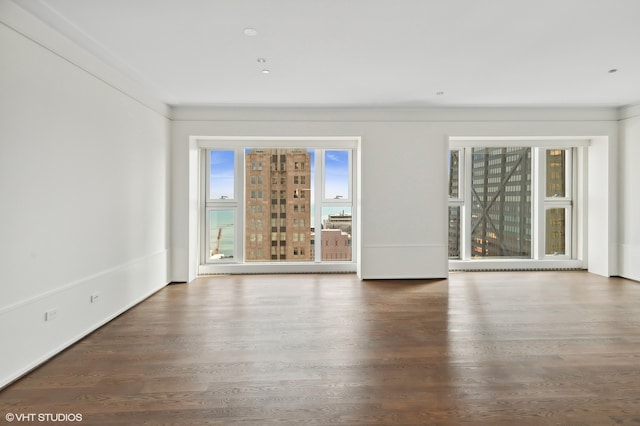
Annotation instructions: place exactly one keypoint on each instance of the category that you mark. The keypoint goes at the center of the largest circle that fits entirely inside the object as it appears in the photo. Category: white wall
(403, 174)
(84, 177)
(629, 226)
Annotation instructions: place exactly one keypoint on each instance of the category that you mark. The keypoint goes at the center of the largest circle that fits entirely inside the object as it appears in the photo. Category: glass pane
(221, 175)
(335, 242)
(501, 202)
(454, 232)
(278, 205)
(221, 234)
(454, 175)
(555, 229)
(556, 172)
(336, 174)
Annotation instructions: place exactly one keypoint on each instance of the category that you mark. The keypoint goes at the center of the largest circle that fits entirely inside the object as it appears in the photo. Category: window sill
(277, 268)
(515, 264)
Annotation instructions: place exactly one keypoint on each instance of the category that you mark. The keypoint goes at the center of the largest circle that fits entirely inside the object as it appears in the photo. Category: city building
(501, 205)
(278, 205)
(336, 244)
(342, 221)
(336, 237)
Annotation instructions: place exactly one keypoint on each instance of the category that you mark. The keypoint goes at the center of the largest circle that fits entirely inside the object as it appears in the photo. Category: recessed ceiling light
(265, 71)
(262, 60)
(612, 70)
(250, 32)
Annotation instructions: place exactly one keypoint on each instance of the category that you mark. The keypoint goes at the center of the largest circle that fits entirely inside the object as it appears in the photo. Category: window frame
(239, 145)
(459, 200)
(210, 204)
(573, 202)
(545, 202)
(337, 199)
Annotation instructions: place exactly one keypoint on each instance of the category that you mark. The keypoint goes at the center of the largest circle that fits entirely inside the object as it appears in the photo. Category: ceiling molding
(327, 114)
(630, 111)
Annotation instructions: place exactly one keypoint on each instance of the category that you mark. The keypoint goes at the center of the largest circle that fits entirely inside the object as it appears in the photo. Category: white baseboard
(29, 339)
(404, 261)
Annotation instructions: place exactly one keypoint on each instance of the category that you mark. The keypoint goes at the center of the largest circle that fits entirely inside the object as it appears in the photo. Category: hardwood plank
(480, 348)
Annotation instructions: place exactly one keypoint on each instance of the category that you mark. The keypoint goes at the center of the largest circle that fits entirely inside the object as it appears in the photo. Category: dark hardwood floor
(503, 348)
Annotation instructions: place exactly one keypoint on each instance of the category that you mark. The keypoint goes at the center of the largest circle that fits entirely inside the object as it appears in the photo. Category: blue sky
(221, 184)
(336, 170)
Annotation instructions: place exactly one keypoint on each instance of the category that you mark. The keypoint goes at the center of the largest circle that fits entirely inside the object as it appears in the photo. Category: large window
(268, 203)
(513, 202)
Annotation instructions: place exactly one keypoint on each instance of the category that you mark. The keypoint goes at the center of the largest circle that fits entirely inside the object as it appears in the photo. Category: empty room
(354, 212)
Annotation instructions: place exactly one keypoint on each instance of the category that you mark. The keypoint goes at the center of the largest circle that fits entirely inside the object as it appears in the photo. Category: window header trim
(501, 142)
(230, 142)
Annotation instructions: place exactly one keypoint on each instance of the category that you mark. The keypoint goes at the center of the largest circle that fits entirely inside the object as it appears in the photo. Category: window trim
(239, 144)
(575, 201)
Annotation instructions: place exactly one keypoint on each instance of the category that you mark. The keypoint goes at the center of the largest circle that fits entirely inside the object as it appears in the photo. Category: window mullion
(465, 182)
(204, 204)
(240, 213)
(538, 183)
(578, 213)
(569, 174)
(568, 238)
(318, 191)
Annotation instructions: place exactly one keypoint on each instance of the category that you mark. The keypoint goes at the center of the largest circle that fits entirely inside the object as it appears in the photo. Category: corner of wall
(602, 205)
(629, 206)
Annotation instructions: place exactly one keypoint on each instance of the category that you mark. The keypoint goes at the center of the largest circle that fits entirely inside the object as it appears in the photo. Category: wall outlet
(95, 297)
(50, 315)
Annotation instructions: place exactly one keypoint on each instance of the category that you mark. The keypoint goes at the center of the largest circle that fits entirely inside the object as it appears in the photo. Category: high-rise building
(501, 205)
(278, 205)
(501, 202)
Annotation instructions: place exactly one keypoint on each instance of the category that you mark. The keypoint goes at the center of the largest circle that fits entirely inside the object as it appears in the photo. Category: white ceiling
(365, 52)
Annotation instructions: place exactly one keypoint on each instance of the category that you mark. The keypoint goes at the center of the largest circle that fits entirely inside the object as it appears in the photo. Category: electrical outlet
(95, 297)
(50, 315)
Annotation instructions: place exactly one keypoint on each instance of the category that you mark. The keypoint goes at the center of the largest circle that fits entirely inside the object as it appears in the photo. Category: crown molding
(628, 112)
(237, 113)
(24, 23)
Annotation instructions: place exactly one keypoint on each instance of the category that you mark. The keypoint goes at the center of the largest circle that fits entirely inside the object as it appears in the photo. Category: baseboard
(404, 261)
(29, 338)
